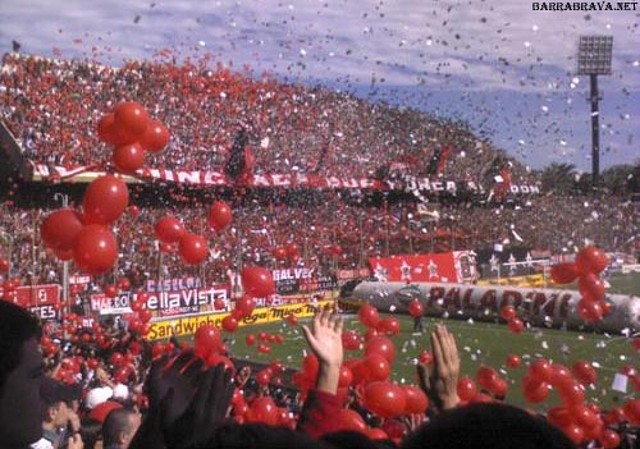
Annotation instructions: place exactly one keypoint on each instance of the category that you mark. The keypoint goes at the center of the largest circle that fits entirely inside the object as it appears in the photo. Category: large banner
(166, 303)
(188, 325)
(42, 300)
(456, 266)
(424, 186)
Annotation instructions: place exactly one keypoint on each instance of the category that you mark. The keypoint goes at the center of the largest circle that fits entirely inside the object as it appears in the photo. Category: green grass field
(480, 343)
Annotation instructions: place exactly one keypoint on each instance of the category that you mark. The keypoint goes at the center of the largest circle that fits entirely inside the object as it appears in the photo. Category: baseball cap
(101, 411)
(98, 396)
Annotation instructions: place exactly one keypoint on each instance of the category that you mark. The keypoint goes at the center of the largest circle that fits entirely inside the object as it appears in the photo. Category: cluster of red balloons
(589, 263)
(369, 317)
(193, 248)
(209, 347)
(131, 132)
(508, 313)
(86, 238)
(289, 251)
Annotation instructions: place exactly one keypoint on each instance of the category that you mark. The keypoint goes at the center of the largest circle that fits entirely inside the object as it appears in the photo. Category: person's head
(21, 374)
(91, 433)
(120, 427)
(493, 425)
(58, 399)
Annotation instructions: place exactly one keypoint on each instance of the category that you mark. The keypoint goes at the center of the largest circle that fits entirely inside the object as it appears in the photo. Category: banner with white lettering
(423, 186)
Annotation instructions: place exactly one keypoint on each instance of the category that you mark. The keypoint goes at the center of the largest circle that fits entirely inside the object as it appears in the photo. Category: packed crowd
(53, 108)
(334, 233)
(101, 387)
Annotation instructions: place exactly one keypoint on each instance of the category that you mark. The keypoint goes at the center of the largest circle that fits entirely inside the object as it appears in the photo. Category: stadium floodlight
(594, 58)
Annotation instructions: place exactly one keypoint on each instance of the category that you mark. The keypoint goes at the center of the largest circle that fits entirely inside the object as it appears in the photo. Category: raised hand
(440, 380)
(186, 403)
(325, 339)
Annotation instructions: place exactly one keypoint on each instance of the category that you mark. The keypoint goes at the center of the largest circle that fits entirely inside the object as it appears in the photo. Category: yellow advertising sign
(187, 325)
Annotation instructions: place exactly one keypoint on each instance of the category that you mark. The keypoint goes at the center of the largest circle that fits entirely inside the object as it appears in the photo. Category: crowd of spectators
(97, 387)
(332, 233)
(53, 107)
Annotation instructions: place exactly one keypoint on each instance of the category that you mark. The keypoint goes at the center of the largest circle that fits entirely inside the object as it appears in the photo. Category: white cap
(98, 396)
(120, 391)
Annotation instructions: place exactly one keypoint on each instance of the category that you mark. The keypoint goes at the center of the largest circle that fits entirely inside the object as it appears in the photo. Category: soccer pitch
(479, 343)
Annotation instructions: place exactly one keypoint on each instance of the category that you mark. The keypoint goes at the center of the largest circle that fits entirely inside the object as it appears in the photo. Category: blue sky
(508, 70)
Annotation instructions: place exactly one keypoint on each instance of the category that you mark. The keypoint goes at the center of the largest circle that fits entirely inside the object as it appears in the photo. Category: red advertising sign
(40, 300)
(456, 266)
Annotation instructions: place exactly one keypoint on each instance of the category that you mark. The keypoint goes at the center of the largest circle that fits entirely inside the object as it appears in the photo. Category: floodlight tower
(594, 58)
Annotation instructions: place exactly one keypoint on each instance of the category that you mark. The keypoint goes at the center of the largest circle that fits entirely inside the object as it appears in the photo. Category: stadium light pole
(64, 199)
(594, 58)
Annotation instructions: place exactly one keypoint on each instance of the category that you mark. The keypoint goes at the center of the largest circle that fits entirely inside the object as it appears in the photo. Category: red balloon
(466, 388)
(263, 377)
(590, 311)
(350, 420)
(534, 390)
(128, 158)
(385, 399)
(516, 325)
(130, 119)
(4, 265)
(244, 307)
(584, 372)
(219, 215)
(415, 308)
(583, 416)
(346, 377)
(95, 249)
(145, 316)
(508, 313)
(207, 340)
(250, 339)
(105, 200)
(540, 370)
(425, 358)
(416, 400)
(117, 359)
(376, 433)
(280, 253)
(574, 432)
(193, 249)
(156, 137)
(292, 250)
(377, 367)
(258, 282)
(564, 273)
(368, 315)
(591, 286)
(632, 411)
(513, 361)
(559, 416)
(380, 345)
(263, 410)
(105, 129)
(110, 291)
(389, 326)
(169, 230)
(610, 439)
(486, 376)
(60, 229)
(591, 260)
(351, 340)
(570, 394)
(229, 323)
